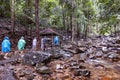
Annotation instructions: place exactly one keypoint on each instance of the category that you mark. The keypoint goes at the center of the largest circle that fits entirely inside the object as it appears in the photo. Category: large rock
(6, 74)
(36, 57)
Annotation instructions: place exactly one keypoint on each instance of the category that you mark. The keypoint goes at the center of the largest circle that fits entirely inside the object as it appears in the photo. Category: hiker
(21, 43)
(6, 45)
(42, 44)
(56, 40)
(34, 43)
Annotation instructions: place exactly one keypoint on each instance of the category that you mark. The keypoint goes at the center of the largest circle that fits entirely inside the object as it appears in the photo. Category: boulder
(6, 74)
(33, 58)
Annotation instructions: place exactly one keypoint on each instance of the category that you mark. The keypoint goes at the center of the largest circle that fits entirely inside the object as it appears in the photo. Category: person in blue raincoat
(21, 43)
(6, 45)
(56, 40)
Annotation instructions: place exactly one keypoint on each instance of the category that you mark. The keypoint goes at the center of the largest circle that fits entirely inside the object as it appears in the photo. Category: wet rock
(105, 56)
(112, 55)
(82, 72)
(1, 56)
(83, 56)
(59, 66)
(92, 56)
(24, 73)
(43, 70)
(118, 41)
(77, 67)
(78, 50)
(73, 63)
(99, 66)
(33, 58)
(104, 49)
(99, 54)
(57, 56)
(6, 74)
(74, 67)
(66, 53)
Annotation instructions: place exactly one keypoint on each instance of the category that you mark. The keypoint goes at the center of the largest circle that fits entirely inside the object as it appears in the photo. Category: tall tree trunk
(78, 31)
(63, 15)
(37, 21)
(12, 16)
(71, 28)
(86, 31)
(67, 25)
(115, 28)
(71, 22)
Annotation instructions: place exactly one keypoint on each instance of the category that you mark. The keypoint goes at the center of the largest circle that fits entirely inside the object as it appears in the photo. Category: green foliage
(100, 13)
(4, 8)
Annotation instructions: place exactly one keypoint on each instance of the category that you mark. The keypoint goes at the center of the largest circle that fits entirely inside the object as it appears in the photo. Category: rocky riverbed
(97, 58)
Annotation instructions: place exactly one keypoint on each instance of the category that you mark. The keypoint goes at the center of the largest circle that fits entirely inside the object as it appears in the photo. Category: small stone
(73, 63)
(82, 72)
(104, 49)
(43, 70)
(58, 66)
(92, 56)
(34, 57)
(83, 56)
(113, 55)
(99, 54)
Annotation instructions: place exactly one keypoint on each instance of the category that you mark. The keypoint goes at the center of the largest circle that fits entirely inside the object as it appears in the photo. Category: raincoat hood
(6, 38)
(22, 37)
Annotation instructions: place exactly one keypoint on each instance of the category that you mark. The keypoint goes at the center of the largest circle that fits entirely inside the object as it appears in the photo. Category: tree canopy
(83, 16)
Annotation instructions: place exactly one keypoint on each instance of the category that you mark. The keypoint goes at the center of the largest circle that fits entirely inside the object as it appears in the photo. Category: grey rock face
(33, 58)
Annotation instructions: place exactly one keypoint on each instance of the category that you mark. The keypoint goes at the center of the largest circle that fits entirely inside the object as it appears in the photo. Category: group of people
(5, 46)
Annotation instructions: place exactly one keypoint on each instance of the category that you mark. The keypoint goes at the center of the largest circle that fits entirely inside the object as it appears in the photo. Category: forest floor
(97, 58)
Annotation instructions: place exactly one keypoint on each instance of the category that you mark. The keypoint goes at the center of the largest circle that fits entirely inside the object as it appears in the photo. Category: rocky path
(95, 59)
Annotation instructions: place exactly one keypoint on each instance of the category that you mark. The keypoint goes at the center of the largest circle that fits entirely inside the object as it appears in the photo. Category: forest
(60, 39)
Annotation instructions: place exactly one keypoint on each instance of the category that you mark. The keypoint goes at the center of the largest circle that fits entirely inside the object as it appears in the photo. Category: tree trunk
(78, 31)
(63, 17)
(71, 22)
(115, 29)
(67, 25)
(86, 31)
(37, 21)
(12, 17)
